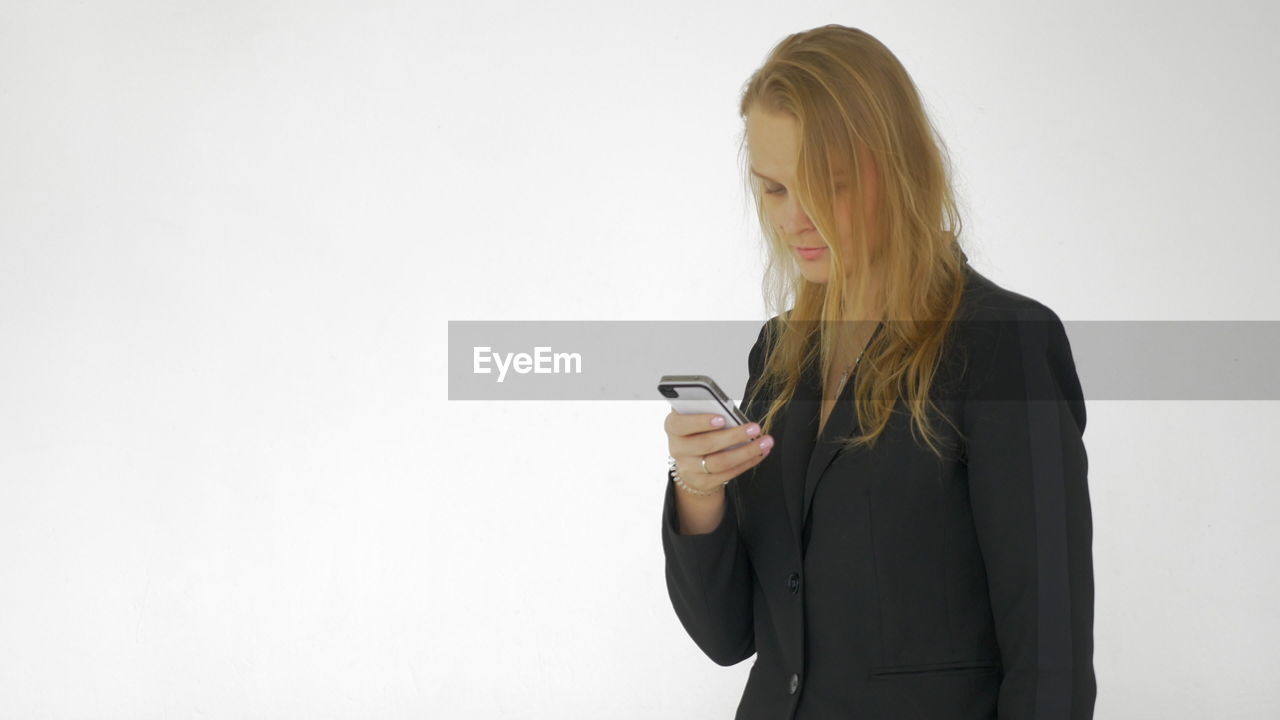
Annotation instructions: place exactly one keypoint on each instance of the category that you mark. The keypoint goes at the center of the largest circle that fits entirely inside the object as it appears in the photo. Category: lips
(810, 253)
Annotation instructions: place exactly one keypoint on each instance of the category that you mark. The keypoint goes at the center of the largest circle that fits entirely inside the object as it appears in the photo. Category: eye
(771, 191)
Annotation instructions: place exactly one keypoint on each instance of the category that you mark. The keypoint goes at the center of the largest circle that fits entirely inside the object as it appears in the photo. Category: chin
(815, 277)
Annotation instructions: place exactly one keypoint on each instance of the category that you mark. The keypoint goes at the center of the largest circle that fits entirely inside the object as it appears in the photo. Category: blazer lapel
(805, 458)
(799, 426)
(828, 446)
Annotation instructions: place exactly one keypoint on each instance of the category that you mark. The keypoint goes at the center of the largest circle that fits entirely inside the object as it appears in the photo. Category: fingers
(681, 424)
(707, 441)
(724, 465)
(737, 459)
(693, 437)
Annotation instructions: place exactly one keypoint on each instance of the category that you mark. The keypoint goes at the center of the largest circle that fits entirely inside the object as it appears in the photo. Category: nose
(792, 217)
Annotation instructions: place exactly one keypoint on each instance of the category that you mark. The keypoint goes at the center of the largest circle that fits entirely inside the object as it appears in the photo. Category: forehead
(773, 146)
(772, 142)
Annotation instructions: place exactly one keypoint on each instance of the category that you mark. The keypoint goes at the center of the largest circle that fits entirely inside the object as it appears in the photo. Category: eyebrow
(763, 177)
(838, 174)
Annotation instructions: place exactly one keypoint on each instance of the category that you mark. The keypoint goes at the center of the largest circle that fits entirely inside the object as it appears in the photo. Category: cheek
(870, 196)
(772, 222)
(844, 214)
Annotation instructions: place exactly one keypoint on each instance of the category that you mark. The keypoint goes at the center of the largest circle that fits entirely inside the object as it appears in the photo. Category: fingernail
(765, 444)
(717, 421)
(753, 430)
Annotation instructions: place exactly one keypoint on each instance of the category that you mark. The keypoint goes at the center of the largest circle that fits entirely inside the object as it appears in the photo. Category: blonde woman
(908, 534)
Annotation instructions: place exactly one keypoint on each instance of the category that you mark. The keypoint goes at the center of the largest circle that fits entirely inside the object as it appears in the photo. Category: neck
(871, 309)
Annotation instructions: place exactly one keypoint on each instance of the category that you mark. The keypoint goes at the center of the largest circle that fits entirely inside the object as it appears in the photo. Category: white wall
(232, 233)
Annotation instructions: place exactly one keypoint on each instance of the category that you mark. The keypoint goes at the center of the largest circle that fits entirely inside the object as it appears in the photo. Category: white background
(232, 234)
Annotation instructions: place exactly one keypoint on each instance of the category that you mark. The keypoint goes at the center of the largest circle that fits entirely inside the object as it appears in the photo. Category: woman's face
(773, 141)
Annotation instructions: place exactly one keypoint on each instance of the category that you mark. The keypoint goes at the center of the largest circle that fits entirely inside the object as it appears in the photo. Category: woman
(908, 534)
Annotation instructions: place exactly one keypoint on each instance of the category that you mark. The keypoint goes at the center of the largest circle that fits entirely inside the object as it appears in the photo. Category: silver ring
(704, 465)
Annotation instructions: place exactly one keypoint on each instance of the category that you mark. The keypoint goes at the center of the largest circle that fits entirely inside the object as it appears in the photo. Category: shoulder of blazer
(994, 322)
(1000, 328)
(984, 300)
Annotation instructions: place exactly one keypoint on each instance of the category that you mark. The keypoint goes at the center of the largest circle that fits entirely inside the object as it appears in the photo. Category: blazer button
(793, 583)
(795, 683)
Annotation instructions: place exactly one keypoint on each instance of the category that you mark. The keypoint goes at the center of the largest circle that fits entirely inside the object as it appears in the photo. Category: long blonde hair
(850, 95)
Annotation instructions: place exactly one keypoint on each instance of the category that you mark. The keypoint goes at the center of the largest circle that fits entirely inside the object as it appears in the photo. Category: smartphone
(694, 394)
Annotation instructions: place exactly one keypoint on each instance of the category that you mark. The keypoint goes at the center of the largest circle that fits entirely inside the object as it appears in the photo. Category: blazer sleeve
(709, 576)
(1024, 420)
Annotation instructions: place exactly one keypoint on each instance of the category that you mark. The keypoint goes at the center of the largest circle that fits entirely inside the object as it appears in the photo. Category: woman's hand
(692, 437)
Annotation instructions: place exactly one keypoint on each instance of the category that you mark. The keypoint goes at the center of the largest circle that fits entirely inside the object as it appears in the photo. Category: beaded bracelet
(675, 477)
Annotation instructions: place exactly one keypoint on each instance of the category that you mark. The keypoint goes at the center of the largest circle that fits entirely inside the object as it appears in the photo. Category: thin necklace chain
(845, 375)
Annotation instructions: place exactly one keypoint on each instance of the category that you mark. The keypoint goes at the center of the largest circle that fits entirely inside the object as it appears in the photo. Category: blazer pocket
(947, 668)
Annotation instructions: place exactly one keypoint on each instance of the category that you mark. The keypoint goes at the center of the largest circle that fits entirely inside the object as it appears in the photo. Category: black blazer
(889, 583)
